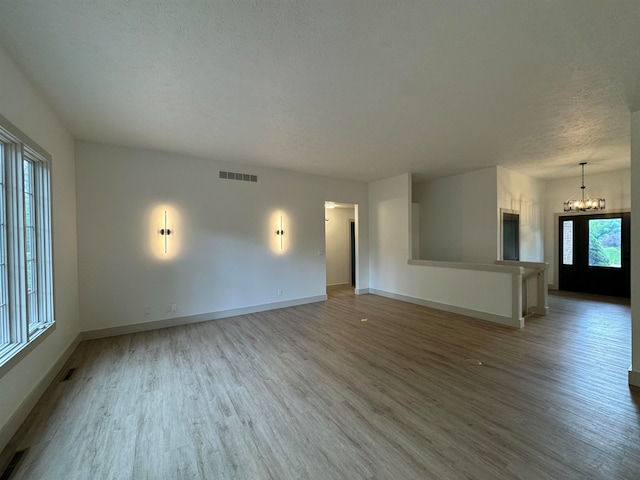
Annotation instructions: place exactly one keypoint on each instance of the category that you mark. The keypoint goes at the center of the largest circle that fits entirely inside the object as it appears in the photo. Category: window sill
(20, 351)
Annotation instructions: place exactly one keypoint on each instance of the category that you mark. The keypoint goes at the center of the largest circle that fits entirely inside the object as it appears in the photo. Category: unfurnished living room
(278, 239)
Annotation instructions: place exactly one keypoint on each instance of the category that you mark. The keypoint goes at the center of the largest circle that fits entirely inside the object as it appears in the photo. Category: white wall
(455, 289)
(223, 253)
(526, 195)
(22, 105)
(458, 219)
(614, 186)
(338, 245)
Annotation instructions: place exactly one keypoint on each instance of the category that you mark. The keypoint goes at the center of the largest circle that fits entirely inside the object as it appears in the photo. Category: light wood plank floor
(313, 392)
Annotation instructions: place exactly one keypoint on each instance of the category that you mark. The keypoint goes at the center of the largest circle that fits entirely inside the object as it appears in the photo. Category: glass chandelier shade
(585, 202)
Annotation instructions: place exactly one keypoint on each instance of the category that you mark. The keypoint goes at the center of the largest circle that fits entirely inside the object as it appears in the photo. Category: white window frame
(26, 299)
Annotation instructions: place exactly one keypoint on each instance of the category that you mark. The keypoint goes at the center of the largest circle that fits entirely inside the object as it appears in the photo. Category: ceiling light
(585, 203)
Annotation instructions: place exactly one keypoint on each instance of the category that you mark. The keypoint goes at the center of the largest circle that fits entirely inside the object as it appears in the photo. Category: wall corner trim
(634, 378)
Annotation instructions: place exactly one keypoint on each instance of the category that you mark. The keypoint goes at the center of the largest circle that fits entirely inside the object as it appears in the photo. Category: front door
(595, 253)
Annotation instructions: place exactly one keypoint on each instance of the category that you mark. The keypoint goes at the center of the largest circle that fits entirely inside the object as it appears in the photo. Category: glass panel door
(595, 254)
(605, 242)
(567, 242)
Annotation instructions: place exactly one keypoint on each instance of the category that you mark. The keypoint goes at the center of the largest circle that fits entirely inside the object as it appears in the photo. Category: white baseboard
(539, 310)
(10, 428)
(361, 291)
(634, 378)
(490, 317)
(202, 317)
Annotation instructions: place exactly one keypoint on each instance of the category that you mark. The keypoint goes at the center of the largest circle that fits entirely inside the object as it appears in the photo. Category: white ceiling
(357, 89)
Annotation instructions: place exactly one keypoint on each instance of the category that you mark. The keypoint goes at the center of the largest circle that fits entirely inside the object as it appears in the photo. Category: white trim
(14, 353)
(202, 317)
(542, 306)
(515, 263)
(30, 304)
(634, 378)
(14, 134)
(490, 317)
(484, 267)
(516, 300)
(536, 310)
(361, 291)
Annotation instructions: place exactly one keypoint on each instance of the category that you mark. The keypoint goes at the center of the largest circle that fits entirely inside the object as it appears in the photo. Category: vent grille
(13, 464)
(68, 375)
(243, 177)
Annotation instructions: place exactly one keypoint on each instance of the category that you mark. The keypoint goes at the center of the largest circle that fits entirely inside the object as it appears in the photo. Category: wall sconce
(280, 232)
(165, 232)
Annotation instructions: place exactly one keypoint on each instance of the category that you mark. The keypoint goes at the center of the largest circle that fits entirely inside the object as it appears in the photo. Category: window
(26, 273)
(567, 242)
(605, 242)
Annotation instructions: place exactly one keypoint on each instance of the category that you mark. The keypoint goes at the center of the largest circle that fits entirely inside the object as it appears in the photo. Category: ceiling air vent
(243, 177)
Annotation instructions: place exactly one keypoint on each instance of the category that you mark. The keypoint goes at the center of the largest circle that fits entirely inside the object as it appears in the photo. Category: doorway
(595, 254)
(510, 227)
(352, 241)
(340, 245)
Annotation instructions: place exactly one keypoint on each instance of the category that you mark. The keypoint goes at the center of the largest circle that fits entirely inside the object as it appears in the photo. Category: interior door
(352, 241)
(595, 254)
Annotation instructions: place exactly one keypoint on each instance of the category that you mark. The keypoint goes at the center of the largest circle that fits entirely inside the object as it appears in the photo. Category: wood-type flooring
(312, 392)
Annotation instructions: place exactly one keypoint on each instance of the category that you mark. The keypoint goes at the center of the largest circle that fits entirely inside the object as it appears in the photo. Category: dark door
(595, 254)
(353, 253)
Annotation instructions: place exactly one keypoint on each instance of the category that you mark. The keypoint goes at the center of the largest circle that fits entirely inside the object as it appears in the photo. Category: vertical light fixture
(165, 232)
(280, 232)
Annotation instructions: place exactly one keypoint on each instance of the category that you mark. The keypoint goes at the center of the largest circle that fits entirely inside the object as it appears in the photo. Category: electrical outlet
(279, 292)
(147, 310)
(174, 307)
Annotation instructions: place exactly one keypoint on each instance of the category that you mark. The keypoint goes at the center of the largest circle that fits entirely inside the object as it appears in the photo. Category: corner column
(634, 370)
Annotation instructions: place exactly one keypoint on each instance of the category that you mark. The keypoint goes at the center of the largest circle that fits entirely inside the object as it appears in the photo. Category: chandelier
(585, 203)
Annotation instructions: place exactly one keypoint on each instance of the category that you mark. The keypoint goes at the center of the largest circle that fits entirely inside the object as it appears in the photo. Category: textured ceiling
(358, 89)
